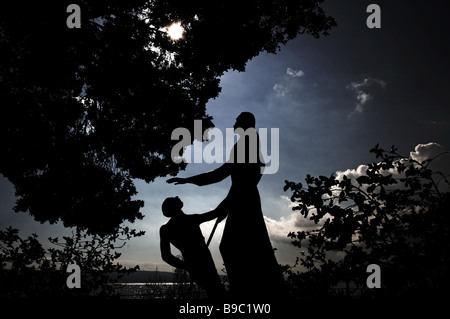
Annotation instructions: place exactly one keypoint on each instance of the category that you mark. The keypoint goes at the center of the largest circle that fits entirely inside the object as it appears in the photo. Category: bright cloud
(352, 173)
(421, 153)
(440, 159)
(278, 230)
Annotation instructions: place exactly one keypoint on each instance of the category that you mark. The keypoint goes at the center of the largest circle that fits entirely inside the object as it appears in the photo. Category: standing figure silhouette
(252, 269)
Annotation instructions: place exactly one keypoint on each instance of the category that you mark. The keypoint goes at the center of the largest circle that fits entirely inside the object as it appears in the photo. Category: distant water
(159, 291)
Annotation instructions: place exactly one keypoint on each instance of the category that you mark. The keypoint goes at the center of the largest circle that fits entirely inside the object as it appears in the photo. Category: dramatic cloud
(439, 156)
(361, 92)
(279, 228)
(427, 151)
(422, 152)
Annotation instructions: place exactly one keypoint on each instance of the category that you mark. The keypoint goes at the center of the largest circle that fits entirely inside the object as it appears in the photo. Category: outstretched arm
(166, 254)
(220, 214)
(211, 177)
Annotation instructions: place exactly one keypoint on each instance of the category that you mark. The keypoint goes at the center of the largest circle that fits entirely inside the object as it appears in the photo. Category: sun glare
(175, 31)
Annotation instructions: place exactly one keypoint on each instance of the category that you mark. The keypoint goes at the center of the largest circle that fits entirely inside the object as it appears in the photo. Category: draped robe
(252, 269)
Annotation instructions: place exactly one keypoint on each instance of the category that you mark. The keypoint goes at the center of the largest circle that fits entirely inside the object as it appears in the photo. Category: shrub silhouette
(30, 271)
(396, 215)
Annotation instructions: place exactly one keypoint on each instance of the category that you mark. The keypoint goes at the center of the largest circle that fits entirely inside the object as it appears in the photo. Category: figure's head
(245, 120)
(171, 206)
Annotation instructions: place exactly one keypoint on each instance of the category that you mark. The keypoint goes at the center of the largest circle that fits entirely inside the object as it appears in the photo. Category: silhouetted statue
(252, 269)
(183, 231)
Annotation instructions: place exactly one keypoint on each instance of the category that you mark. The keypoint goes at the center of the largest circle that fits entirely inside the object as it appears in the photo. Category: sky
(332, 99)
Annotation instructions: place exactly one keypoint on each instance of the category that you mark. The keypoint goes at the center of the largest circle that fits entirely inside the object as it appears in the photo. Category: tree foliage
(85, 111)
(396, 215)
